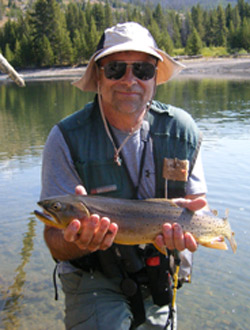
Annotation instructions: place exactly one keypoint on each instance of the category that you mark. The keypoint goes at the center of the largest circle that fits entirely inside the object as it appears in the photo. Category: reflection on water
(12, 298)
(218, 297)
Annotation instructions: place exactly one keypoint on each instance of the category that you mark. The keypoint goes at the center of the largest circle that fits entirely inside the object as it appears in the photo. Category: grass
(206, 51)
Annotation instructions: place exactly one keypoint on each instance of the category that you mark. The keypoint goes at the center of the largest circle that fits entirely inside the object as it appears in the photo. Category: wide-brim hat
(128, 36)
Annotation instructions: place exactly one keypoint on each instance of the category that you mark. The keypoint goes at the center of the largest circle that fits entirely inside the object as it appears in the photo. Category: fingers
(95, 233)
(80, 190)
(191, 204)
(173, 237)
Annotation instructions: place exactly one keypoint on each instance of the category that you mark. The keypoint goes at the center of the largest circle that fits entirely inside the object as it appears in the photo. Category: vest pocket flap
(101, 177)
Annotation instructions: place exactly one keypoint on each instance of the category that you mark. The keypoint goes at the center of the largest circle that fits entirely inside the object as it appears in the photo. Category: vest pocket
(101, 177)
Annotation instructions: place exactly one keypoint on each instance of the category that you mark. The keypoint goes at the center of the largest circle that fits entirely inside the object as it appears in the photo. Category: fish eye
(57, 206)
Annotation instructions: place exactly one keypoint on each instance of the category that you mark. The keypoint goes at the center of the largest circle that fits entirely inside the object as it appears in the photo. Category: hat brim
(167, 67)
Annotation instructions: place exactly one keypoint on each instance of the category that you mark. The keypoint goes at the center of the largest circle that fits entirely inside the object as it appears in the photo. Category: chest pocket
(105, 178)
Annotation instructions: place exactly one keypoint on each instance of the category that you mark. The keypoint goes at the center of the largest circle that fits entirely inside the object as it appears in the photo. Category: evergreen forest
(55, 33)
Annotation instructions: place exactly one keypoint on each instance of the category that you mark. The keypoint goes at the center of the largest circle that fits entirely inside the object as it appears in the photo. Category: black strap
(137, 307)
(54, 282)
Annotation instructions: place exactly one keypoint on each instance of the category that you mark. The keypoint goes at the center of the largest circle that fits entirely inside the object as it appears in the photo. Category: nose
(129, 76)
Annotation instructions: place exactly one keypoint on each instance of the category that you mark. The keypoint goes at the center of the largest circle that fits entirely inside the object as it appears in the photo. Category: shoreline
(210, 68)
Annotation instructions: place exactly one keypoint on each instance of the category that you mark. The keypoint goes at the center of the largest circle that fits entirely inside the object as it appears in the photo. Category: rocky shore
(219, 68)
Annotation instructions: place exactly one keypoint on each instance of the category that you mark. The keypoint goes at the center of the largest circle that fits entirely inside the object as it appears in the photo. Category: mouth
(48, 219)
(43, 215)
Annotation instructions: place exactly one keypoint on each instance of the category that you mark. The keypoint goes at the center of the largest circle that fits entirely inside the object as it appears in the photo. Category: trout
(5, 67)
(139, 221)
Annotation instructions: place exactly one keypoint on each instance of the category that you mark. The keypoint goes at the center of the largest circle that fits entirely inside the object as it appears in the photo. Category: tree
(194, 43)
(108, 15)
(244, 34)
(49, 21)
(46, 50)
(80, 47)
(221, 29)
(176, 32)
(197, 18)
(8, 53)
(159, 17)
(210, 29)
(166, 43)
(186, 28)
(98, 14)
(156, 33)
(10, 34)
(232, 41)
(92, 38)
(72, 18)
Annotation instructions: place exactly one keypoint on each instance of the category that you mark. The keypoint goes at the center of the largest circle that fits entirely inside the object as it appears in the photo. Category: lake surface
(218, 297)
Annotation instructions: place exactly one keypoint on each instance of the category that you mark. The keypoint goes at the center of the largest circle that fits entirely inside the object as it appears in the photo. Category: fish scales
(139, 221)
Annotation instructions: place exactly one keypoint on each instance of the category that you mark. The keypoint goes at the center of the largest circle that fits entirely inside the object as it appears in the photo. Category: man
(116, 146)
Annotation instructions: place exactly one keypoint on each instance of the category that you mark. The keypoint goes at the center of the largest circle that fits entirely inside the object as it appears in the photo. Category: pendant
(117, 159)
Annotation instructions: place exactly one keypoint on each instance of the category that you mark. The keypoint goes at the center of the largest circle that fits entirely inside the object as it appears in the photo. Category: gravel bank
(219, 68)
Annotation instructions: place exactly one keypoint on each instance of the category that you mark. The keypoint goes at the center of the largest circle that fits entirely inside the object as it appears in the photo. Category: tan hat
(128, 36)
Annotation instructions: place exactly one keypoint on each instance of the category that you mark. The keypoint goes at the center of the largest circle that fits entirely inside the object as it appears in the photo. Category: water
(218, 297)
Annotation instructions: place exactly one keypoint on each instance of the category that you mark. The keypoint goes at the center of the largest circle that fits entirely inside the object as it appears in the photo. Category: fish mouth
(46, 217)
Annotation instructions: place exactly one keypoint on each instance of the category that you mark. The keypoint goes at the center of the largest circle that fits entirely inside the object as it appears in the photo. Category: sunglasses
(116, 70)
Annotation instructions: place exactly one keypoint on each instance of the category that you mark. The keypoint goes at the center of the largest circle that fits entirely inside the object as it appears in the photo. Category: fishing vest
(174, 135)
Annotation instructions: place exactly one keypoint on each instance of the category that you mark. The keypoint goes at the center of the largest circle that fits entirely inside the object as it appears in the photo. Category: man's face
(129, 94)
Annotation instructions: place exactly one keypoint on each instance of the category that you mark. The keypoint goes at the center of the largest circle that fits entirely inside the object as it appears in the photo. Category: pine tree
(72, 18)
(166, 43)
(48, 20)
(232, 37)
(156, 33)
(98, 14)
(92, 38)
(236, 17)
(186, 28)
(176, 32)
(229, 14)
(210, 29)
(17, 61)
(244, 34)
(197, 17)
(108, 15)
(80, 48)
(159, 17)
(221, 29)
(10, 34)
(9, 55)
(194, 43)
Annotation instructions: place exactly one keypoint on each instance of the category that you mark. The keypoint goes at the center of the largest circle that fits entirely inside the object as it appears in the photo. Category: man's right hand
(96, 233)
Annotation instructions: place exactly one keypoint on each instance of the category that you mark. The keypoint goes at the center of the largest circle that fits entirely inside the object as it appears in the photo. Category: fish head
(60, 211)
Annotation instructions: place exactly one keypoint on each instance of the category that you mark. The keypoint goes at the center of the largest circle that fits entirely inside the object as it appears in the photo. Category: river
(218, 297)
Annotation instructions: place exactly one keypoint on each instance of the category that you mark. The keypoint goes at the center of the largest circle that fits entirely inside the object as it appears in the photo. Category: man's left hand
(172, 236)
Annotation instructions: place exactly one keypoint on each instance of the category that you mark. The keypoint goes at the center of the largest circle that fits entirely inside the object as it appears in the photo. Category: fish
(139, 221)
(5, 67)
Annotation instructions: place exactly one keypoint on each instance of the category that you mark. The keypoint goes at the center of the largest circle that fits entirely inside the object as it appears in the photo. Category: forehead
(128, 56)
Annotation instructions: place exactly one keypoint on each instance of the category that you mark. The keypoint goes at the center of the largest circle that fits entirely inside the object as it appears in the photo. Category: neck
(125, 122)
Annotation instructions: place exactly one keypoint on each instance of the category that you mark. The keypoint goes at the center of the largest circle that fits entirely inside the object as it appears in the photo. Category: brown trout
(139, 221)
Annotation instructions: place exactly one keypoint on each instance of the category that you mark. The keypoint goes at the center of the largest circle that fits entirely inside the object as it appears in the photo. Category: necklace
(117, 151)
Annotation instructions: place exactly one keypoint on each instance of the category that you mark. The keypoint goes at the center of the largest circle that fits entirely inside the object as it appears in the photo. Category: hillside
(185, 4)
(13, 8)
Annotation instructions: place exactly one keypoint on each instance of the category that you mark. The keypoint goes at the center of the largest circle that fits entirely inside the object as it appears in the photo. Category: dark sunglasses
(116, 70)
